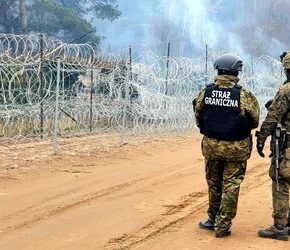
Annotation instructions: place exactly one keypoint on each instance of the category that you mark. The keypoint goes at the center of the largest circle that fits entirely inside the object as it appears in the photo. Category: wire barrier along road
(49, 88)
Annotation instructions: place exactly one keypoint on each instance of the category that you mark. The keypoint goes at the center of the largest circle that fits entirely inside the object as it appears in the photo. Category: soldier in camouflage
(278, 112)
(225, 113)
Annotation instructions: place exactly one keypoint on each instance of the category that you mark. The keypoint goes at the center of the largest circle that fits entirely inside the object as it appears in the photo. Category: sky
(192, 25)
(132, 26)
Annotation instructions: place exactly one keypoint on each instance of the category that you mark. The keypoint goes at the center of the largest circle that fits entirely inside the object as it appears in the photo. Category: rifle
(279, 146)
(277, 152)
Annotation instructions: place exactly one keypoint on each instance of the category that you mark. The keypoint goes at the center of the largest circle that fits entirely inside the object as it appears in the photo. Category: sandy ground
(148, 195)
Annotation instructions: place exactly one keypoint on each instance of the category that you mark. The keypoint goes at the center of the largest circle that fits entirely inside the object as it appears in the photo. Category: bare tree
(163, 31)
(263, 23)
(23, 16)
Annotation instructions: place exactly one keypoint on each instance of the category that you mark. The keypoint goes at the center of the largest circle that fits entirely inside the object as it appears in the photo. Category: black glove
(268, 104)
(260, 147)
(260, 144)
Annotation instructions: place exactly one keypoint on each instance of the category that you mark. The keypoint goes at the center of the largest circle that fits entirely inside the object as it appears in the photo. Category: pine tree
(64, 19)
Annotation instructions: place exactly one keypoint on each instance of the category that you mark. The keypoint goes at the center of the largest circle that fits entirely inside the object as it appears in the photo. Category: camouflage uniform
(279, 111)
(226, 160)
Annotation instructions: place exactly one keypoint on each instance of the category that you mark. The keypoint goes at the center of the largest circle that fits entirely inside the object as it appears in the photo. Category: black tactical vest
(221, 116)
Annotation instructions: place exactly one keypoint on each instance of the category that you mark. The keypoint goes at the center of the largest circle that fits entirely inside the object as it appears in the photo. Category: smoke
(132, 27)
(208, 22)
(190, 25)
(197, 22)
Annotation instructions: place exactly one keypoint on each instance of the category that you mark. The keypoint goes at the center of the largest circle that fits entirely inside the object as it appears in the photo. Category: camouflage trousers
(224, 180)
(281, 202)
(281, 196)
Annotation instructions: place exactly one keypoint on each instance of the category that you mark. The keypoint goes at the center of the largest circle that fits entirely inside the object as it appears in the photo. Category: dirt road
(141, 196)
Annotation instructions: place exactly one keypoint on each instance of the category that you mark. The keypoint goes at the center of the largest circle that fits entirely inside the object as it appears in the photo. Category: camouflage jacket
(279, 111)
(229, 150)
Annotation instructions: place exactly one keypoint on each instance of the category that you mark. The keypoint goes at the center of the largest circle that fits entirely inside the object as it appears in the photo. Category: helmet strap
(227, 72)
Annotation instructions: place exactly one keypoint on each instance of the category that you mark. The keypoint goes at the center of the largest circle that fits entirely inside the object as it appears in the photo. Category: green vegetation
(65, 19)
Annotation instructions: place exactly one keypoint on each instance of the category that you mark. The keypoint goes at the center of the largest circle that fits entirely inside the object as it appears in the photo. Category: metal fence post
(253, 73)
(167, 74)
(206, 58)
(167, 68)
(55, 134)
(41, 43)
(91, 91)
(126, 86)
(206, 64)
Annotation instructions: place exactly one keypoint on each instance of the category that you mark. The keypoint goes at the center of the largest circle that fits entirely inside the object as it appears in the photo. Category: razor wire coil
(105, 92)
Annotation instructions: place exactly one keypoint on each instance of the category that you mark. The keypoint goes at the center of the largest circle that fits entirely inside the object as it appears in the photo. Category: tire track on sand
(43, 211)
(61, 209)
(190, 204)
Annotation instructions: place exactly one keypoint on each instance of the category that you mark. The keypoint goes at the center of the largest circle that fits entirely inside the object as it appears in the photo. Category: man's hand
(260, 144)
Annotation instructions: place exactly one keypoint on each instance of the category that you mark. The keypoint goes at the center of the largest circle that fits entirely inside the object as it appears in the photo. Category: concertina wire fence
(48, 88)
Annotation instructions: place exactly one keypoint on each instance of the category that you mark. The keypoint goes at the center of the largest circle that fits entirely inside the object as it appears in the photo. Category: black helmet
(228, 62)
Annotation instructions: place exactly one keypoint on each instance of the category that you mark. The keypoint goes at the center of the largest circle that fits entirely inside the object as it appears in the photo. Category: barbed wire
(133, 91)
